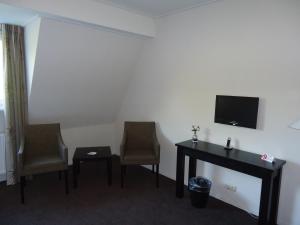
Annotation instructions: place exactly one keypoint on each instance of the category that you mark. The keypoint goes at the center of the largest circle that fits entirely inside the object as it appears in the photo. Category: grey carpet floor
(95, 203)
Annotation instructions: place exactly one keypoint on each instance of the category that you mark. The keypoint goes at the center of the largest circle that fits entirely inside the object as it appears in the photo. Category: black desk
(241, 161)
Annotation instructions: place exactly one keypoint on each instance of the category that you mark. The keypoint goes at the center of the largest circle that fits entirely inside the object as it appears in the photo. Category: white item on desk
(92, 153)
(268, 158)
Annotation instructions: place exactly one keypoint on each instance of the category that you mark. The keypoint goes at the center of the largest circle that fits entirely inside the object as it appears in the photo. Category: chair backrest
(139, 135)
(41, 139)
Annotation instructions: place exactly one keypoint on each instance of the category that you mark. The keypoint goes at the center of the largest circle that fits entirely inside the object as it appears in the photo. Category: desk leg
(265, 201)
(180, 173)
(275, 198)
(109, 170)
(192, 167)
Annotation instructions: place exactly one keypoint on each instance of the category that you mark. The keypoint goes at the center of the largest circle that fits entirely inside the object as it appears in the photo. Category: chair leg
(123, 168)
(157, 175)
(59, 175)
(152, 168)
(78, 167)
(22, 184)
(66, 181)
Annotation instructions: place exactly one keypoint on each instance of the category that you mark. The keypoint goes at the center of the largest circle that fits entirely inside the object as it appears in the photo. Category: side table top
(102, 152)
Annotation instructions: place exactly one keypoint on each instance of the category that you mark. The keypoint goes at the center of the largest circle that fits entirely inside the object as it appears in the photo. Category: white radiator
(2, 157)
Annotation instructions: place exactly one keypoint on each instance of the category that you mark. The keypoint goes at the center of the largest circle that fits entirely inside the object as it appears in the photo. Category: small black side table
(81, 155)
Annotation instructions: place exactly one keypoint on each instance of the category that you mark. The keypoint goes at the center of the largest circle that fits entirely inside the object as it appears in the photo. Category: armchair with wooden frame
(42, 150)
(139, 147)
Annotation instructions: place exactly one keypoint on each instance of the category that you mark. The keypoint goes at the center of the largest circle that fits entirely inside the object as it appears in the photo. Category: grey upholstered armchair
(42, 150)
(139, 147)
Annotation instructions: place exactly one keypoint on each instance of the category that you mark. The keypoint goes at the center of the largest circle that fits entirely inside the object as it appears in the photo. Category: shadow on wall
(216, 173)
(219, 191)
(261, 114)
(290, 193)
(168, 165)
(207, 134)
(2, 121)
(168, 154)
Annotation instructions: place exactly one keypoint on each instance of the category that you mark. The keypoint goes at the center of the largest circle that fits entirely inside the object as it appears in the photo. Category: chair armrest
(63, 150)
(20, 156)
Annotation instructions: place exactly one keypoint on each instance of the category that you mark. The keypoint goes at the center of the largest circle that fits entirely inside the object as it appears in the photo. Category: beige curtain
(15, 95)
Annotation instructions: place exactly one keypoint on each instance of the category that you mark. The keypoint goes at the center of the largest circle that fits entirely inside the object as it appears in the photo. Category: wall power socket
(230, 187)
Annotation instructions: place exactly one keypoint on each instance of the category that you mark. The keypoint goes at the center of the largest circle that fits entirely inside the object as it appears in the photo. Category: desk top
(233, 155)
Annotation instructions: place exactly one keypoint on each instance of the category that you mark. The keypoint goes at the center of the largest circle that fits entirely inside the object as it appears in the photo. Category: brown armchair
(139, 147)
(42, 150)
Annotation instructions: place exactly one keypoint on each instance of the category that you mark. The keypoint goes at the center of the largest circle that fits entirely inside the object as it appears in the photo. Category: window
(1, 76)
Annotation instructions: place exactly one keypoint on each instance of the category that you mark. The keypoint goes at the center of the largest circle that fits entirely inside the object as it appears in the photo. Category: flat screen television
(237, 111)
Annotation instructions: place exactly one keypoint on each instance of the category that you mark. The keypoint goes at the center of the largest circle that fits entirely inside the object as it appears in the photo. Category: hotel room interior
(143, 112)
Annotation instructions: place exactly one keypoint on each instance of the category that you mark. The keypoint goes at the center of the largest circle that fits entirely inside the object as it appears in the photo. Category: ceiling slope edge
(90, 12)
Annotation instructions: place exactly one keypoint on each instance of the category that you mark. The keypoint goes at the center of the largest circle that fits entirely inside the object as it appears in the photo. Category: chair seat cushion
(139, 156)
(43, 164)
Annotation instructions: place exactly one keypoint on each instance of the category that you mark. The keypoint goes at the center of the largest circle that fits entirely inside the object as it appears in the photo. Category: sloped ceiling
(80, 73)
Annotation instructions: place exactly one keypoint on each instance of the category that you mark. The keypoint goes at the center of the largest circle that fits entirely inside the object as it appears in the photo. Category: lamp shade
(295, 125)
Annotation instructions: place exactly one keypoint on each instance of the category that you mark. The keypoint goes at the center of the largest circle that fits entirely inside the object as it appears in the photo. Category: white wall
(97, 135)
(77, 76)
(31, 41)
(2, 123)
(80, 73)
(2, 147)
(244, 48)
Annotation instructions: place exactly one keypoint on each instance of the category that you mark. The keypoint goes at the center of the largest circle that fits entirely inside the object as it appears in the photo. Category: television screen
(236, 111)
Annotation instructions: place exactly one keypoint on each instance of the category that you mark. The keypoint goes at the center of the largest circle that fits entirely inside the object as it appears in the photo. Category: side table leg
(78, 167)
(109, 171)
(74, 173)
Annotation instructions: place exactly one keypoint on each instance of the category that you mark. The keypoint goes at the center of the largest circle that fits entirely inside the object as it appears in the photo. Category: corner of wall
(32, 32)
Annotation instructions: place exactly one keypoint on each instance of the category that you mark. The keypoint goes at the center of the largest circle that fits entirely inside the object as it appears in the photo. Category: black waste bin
(199, 188)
